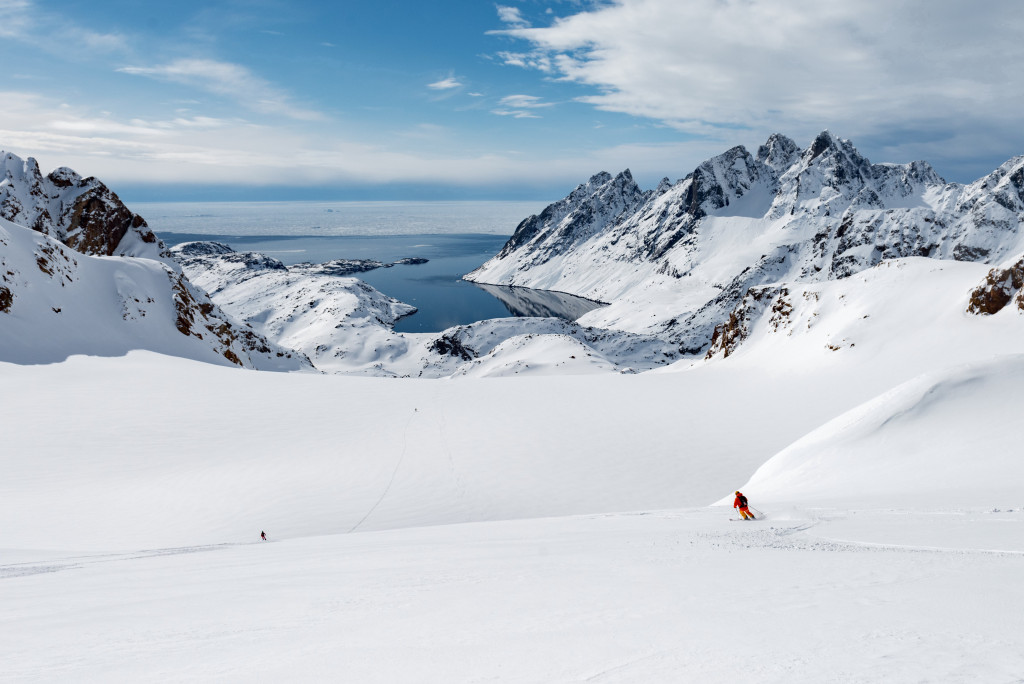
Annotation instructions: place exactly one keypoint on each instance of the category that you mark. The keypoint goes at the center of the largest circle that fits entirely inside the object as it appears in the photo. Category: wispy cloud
(520, 106)
(445, 84)
(524, 102)
(21, 20)
(512, 16)
(537, 59)
(229, 80)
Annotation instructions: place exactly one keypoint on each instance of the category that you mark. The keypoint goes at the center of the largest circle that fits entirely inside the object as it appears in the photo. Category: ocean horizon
(336, 219)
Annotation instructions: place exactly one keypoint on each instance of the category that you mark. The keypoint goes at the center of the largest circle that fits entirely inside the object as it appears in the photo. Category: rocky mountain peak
(82, 213)
(778, 152)
(64, 177)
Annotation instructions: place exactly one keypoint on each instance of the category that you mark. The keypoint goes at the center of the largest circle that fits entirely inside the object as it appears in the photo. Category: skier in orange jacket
(741, 503)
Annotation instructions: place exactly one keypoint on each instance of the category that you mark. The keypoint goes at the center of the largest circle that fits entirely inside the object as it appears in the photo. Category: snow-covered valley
(521, 529)
(532, 500)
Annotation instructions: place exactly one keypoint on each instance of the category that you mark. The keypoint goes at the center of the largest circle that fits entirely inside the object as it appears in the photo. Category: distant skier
(741, 503)
(263, 536)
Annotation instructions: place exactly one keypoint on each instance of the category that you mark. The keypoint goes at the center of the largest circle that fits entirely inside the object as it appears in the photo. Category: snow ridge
(689, 252)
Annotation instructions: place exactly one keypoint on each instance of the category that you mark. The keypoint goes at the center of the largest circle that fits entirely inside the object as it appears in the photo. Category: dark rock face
(730, 334)
(97, 222)
(586, 211)
(83, 213)
(450, 345)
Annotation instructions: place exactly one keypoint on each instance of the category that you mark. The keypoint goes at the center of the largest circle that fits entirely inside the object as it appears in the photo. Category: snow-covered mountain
(338, 322)
(56, 302)
(83, 213)
(81, 274)
(677, 260)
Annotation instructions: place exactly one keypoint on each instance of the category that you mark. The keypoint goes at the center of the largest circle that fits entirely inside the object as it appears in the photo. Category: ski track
(74, 562)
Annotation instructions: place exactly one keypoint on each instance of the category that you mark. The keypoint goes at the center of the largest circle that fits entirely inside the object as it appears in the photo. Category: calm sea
(455, 237)
(336, 218)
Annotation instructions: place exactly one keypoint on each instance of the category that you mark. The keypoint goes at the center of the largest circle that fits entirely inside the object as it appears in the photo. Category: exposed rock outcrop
(1001, 286)
(83, 213)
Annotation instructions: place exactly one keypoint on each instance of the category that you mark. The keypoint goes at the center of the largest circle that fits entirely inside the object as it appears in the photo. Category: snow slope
(306, 454)
(55, 302)
(943, 437)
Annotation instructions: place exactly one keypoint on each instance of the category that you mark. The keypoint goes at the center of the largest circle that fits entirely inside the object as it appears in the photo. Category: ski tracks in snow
(28, 568)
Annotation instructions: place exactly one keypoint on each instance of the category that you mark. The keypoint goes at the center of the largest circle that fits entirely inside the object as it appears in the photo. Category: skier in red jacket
(741, 503)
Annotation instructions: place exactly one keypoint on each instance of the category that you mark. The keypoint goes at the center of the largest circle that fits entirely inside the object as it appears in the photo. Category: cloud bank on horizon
(520, 97)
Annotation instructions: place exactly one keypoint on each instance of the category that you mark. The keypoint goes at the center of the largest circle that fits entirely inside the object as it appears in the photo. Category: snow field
(660, 597)
(158, 463)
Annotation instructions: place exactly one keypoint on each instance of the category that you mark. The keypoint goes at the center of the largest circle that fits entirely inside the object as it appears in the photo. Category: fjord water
(455, 237)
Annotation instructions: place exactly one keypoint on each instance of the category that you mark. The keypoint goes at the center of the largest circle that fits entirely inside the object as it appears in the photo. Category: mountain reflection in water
(523, 302)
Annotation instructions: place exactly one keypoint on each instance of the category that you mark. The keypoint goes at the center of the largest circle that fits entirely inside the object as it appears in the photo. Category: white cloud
(523, 102)
(520, 106)
(709, 67)
(537, 59)
(445, 84)
(229, 80)
(512, 16)
(515, 113)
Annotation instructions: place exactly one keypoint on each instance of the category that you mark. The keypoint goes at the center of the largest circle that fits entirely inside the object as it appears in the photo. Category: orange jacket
(739, 502)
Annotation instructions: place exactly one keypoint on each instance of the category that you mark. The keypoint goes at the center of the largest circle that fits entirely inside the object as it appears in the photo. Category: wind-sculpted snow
(56, 302)
(676, 261)
(80, 212)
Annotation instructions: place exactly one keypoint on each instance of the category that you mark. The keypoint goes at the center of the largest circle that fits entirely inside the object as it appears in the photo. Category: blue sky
(469, 99)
